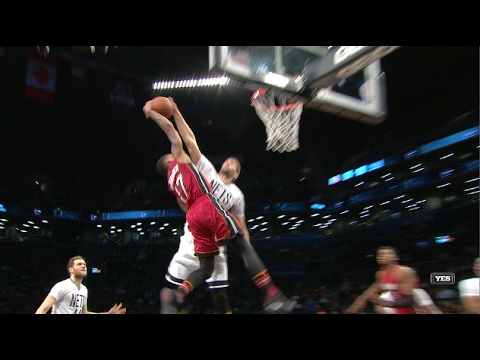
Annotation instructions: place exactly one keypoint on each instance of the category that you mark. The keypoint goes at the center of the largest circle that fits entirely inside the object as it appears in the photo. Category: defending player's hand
(175, 107)
(117, 309)
(147, 108)
(150, 113)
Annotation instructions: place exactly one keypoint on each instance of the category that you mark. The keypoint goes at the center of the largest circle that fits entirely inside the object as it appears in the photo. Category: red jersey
(389, 283)
(186, 182)
(210, 224)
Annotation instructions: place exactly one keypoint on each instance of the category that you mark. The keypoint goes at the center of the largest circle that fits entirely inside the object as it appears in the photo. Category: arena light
(276, 80)
(191, 83)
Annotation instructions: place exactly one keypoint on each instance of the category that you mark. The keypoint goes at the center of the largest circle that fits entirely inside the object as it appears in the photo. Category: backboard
(346, 81)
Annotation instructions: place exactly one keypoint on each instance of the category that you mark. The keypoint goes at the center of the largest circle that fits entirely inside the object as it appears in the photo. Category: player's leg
(228, 229)
(275, 301)
(221, 303)
(218, 284)
(182, 264)
(206, 249)
(172, 299)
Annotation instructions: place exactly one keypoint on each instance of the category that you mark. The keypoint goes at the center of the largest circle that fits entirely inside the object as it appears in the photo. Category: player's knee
(239, 244)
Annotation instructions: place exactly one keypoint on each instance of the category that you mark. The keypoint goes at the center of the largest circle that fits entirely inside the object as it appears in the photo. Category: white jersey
(184, 261)
(70, 298)
(469, 287)
(229, 195)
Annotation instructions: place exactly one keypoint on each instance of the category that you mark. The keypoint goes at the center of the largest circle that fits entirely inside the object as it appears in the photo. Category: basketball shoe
(170, 300)
(278, 304)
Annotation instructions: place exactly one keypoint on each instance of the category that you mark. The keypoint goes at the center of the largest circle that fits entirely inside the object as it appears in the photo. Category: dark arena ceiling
(92, 150)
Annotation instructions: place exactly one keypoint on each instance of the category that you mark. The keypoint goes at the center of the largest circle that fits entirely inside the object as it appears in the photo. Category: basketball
(163, 105)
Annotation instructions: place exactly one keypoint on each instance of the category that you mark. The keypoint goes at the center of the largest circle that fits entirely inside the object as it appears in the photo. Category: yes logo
(442, 278)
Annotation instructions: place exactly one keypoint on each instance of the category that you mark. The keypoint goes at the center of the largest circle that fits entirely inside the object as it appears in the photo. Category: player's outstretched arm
(186, 133)
(166, 125)
(115, 309)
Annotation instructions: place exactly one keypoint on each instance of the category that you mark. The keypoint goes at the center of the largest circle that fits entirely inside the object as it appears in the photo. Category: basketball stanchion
(281, 120)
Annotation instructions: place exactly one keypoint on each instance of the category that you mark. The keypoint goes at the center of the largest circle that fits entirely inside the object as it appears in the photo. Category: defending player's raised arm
(187, 134)
(166, 125)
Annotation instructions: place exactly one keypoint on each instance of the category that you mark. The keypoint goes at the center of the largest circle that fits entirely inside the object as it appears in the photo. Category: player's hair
(474, 266)
(71, 262)
(239, 166)
(162, 165)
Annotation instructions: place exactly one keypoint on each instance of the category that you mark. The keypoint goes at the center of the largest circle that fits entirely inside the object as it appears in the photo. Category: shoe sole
(168, 303)
(280, 307)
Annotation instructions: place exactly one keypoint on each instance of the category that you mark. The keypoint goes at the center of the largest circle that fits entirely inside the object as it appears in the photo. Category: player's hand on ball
(146, 108)
(175, 107)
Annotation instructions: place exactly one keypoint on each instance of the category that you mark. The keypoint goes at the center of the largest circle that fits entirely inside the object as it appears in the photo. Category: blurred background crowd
(324, 276)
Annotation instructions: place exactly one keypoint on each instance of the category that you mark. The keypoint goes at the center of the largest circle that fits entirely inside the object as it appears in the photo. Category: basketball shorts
(211, 225)
(184, 262)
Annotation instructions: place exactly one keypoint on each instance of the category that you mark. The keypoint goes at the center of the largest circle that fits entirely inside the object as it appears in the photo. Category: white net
(281, 120)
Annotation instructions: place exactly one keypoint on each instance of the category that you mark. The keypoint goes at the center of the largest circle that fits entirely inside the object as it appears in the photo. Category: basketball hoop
(281, 120)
